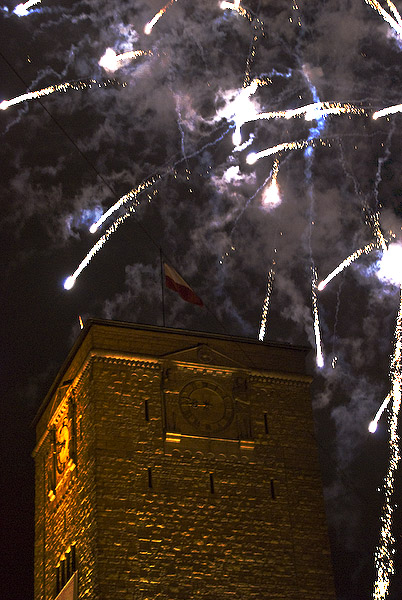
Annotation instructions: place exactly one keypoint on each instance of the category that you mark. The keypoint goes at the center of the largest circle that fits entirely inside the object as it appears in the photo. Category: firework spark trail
(373, 424)
(265, 307)
(296, 145)
(348, 261)
(386, 16)
(244, 110)
(70, 281)
(149, 26)
(390, 110)
(270, 196)
(316, 110)
(131, 195)
(383, 557)
(314, 134)
(235, 6)
(258, 27)
(60, 87)
(21, 10)
(317, 333)
(378, 234)
(395, 12)
(111, 61)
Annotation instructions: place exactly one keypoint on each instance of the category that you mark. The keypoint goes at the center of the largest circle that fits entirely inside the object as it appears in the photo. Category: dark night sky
(169, 116)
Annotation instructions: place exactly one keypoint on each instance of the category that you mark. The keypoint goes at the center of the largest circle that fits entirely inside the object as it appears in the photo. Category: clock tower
(176, 465)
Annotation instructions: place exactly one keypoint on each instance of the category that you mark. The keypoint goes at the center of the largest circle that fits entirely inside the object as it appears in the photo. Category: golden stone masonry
(175, 465)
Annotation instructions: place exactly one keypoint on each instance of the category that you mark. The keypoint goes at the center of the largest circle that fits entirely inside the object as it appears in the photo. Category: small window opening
(73, 559)
(211, 483)
(146, 409)
(63, 573)
(273, 494)
(149, 477)
(58, 582)
(266, 423)
(69, 570)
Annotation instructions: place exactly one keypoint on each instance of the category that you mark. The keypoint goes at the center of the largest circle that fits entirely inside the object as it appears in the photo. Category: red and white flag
(177, 284)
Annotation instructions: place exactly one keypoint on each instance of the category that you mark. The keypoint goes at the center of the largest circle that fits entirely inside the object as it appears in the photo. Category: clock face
(205, 406)
(62, 445)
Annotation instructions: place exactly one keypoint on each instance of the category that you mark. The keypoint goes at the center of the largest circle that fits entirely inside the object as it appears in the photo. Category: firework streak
(265, 308)
(21, 10)
(111, 61)
(344, 264)
(395, 24)
(317, 333)
(132, 195)
(391, 110)
(149, 26)
(60, 87)
(383, 557)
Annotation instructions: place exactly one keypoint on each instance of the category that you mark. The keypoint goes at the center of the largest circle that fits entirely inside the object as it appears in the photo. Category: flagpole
(163, 289)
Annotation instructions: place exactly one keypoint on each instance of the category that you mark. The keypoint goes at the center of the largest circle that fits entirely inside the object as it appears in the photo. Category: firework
(317, 333)
(373, 424)
(344, 264)
(21, 10)
(297, 145)
(391, 110)
(265, 308)
(70, 281)
(383, 556)
(111, 61)
(60, 87)
(130, 196)
(149, 26)
(395, 23)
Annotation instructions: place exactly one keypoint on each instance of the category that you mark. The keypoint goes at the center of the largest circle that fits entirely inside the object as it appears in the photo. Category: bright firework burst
(220, 74)
(21, 10)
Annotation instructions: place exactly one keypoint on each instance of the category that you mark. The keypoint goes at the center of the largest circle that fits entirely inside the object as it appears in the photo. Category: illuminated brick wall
(179, 466)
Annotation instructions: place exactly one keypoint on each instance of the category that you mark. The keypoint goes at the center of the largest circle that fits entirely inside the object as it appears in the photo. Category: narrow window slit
(211, 483)
(266, 423)
(149, 477)
(146, 409)
(273, 494)
(73, 559)
(58, 585)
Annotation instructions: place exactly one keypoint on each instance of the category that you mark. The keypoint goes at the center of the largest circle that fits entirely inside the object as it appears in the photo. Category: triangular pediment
(203, 354)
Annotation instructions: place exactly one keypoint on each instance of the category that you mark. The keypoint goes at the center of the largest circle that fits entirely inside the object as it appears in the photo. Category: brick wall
(158, 511)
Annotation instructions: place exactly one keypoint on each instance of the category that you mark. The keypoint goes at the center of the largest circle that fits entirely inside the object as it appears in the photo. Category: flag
(177, 284)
